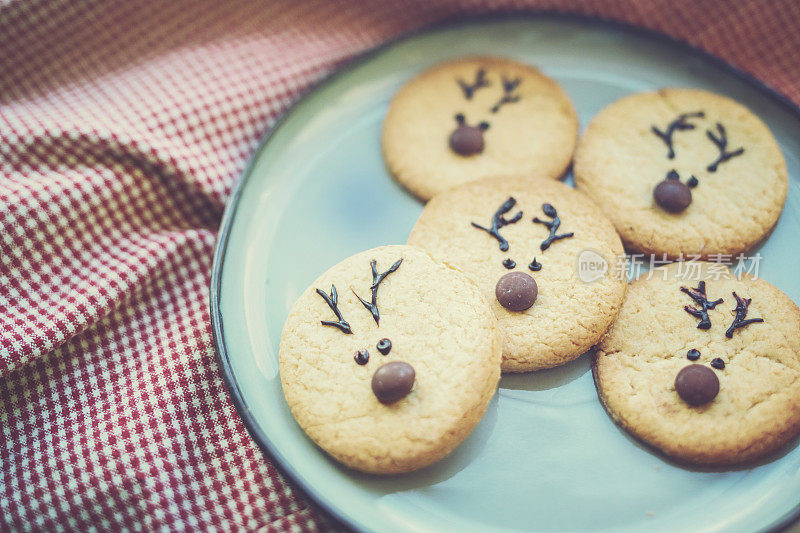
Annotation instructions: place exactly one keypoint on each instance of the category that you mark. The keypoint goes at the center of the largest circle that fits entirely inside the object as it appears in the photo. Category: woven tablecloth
(123, 129)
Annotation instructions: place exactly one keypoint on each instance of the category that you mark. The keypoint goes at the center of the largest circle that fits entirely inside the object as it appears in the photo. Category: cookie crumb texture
(437, 321)
(530, 125)
(620, 160)
(569, 315)
(757, 409)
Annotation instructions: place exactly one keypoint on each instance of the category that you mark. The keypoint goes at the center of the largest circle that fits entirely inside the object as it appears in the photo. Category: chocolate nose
(672, 195)
(697, 384)
(516, 291)
(393, 381)
(467, 140)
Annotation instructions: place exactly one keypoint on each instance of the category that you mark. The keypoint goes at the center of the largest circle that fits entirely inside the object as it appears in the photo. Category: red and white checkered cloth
(123, 128)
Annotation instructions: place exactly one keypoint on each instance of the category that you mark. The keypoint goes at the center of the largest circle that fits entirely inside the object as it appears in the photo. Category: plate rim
(259, 436)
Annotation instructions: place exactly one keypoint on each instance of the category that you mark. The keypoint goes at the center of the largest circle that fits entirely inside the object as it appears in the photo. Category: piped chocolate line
(699, 296)
(509, 86)
(333, 303)
(742, 305)
(498, 221)
(721, 142)
(470, 88)
(679, 124)
(372, 305)
(552, 225)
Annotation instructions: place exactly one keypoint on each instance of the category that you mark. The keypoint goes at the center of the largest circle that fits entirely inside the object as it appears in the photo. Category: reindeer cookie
(477, 117)
(544, 256)
(683, 172)
(703, 366)
(389, 360)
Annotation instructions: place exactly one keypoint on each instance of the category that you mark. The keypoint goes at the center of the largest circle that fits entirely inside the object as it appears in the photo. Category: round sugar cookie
(477, 117)
(683, 172)
(543, 254)
(389, 359)
(703, 366)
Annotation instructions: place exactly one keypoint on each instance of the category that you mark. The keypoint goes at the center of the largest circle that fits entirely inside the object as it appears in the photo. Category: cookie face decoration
(389, 359)
(384, 346)
(525, 243)
(683, 172)
(474, 118)
(705, 369)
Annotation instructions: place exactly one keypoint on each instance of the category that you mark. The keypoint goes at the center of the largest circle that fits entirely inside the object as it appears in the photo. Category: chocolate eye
(361, 357)
(384, 346)
(460, 118)
(484, 126)
(509, 263)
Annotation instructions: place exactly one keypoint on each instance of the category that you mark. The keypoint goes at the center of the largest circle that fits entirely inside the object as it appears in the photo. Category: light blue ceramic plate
(546, 457)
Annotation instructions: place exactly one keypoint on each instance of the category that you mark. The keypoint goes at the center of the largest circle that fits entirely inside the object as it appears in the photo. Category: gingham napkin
(123, 128)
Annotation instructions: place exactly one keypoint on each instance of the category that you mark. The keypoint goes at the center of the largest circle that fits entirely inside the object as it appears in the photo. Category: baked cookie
(477, 117)
(683, 172)
(543, 254)
(703, 366)
(389, 359)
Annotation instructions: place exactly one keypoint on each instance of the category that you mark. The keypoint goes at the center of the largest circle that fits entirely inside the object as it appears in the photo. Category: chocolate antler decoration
(480, 81)
(699, 296)
(741, 313)
(552, 225)
(333, 301)
(372, 306)
(679, 124)
(509, 86)
(498, 222)
(721, 143)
